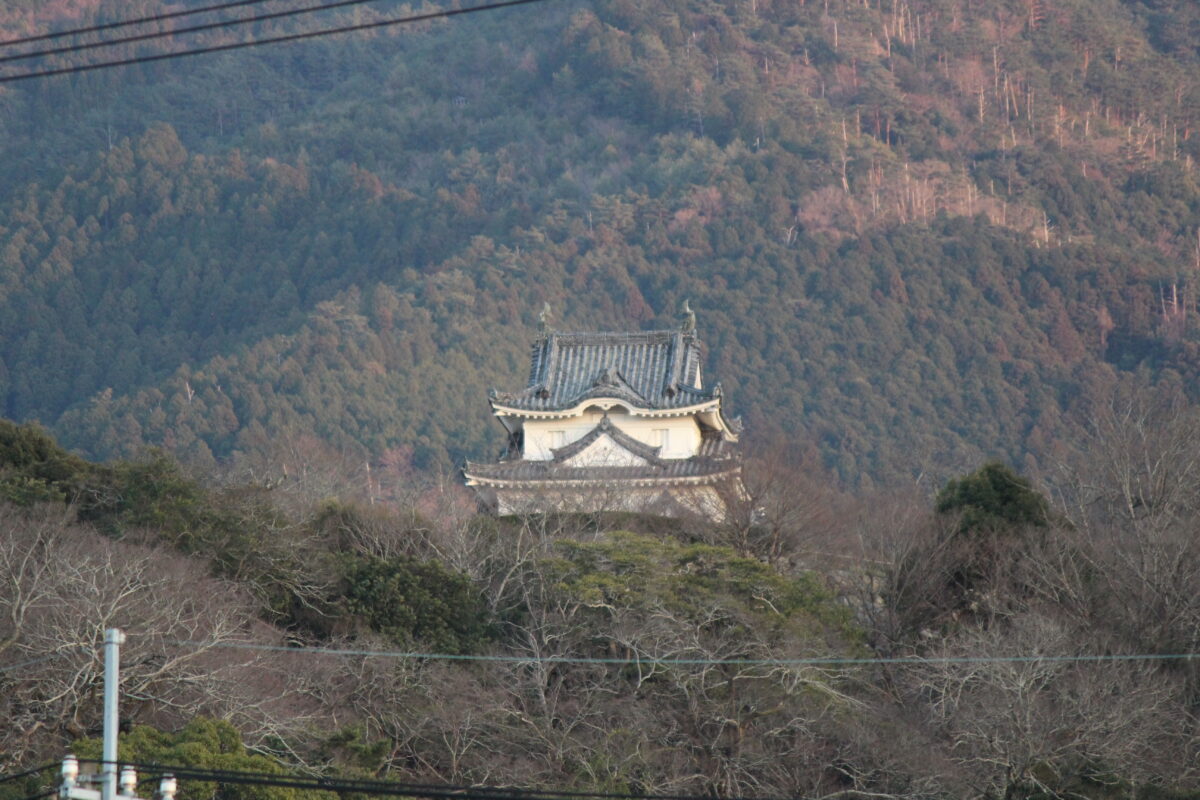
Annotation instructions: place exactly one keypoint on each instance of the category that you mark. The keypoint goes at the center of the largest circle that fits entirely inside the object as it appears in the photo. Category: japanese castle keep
(613, 421)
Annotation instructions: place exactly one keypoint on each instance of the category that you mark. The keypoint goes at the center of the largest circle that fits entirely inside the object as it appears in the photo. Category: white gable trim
(709, 411)
(605, 452)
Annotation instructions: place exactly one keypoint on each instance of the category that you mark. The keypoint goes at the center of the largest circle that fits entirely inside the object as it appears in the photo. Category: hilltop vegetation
(920, 234)
(623, 654)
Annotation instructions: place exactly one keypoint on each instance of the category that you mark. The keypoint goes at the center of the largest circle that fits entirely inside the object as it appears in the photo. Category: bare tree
(1029, 722)
(302, 471)
(1131, 489)
(65, 584)
(786, 509)
(1137, 461)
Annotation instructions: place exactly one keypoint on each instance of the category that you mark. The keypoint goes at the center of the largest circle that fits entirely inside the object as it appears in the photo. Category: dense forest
(919, 234)
(945, 256)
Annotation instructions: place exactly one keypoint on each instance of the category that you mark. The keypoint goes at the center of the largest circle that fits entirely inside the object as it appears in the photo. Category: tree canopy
(919, 236)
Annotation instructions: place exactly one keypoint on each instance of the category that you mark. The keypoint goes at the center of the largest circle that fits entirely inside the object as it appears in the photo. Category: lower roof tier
(549, 473)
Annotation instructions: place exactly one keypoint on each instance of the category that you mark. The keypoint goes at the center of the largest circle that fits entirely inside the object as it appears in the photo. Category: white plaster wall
(683, 437)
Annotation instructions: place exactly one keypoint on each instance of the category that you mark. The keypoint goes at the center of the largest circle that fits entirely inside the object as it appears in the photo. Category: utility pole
(113, 639)
(73, 787)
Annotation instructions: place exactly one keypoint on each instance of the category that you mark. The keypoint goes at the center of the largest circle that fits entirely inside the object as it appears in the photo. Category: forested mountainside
(918, 234)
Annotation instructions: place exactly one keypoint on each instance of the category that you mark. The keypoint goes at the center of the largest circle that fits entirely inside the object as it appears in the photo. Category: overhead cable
(294, 37)
(27, 773)
(377, 787)
(42, 660)
(41, 795)
(107, 26)
(208, 26)
(765, 662)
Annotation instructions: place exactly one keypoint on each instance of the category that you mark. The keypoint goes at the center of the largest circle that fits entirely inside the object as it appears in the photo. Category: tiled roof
(549, 472)
(648, 369)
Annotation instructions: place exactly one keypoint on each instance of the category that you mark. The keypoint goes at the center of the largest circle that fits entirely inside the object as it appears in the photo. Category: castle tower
(613, 421)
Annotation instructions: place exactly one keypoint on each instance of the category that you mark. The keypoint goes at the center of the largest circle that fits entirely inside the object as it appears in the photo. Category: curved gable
(604, 452)
(606, 445)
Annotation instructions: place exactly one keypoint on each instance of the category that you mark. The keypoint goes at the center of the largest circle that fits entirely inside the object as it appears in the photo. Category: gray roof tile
(648, 369)
(550, 471)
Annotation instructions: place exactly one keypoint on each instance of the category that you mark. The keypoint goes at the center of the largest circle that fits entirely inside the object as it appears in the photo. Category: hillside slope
(919, 234)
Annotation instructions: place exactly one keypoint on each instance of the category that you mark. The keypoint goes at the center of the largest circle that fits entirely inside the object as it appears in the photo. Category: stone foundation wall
(704, 502)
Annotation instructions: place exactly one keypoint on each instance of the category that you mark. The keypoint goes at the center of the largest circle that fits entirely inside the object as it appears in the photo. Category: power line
(392, 788)
(27, 773)
(331, 784)
(41, 795)
(126, 23)
(763, 662)
(208, 26)
(42, 660)
(383, 788)
(295, 37)
(155, 768)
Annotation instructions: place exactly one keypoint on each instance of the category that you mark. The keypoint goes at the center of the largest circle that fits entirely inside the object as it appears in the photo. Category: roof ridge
(656, 332)
(648, 369)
